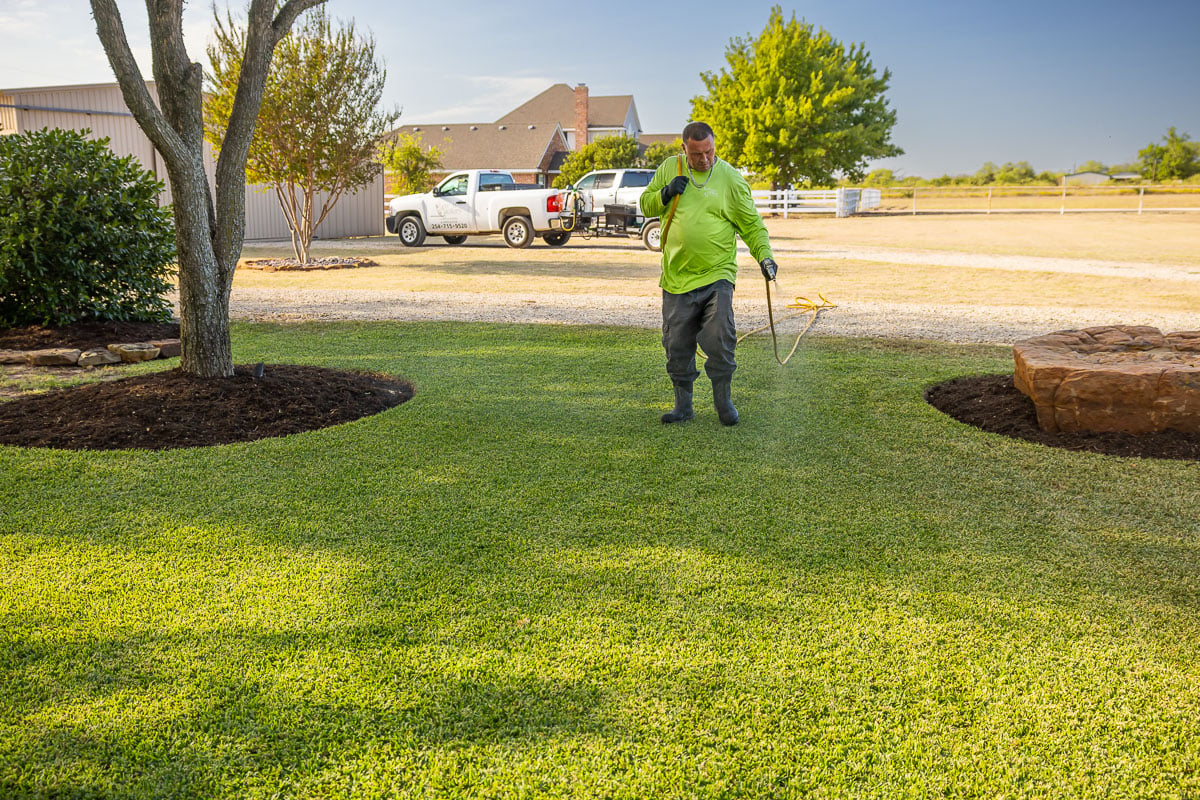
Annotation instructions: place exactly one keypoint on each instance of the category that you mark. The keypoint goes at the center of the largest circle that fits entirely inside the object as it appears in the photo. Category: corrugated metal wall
(359, 214)
(101, 108)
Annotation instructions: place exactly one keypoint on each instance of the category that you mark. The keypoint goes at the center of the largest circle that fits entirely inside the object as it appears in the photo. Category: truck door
(450, 208)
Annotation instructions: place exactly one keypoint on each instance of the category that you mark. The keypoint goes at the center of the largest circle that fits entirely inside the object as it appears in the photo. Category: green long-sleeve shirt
(700, 246)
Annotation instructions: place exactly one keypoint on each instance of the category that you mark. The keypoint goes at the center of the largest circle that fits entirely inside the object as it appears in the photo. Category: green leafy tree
(659, 152)
(611, 152)
(209, 226)
(796, 106)
(81, 233)
(880, 177)
(1092, 166)
(1015, 173)
(320, 124)
(1150, 160)
(985, 174)
(410, 165)
(1179, 156)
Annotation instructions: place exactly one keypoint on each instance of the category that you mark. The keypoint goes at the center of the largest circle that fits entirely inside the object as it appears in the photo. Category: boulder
(167, 348)
(12, 357)
(98, 357)
(56, 357)
(1126, 378)
(140, 351)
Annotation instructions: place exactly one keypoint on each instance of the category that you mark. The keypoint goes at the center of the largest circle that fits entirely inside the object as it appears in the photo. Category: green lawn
(520, 584)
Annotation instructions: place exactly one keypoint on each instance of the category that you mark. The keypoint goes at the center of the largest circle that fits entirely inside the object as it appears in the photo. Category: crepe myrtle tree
(209, 227)
(320, 124)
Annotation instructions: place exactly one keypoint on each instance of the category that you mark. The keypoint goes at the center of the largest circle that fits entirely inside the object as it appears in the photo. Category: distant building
(1086, 178)
(1126, 176)
(583, 118)
(534, 139)
(101, 109)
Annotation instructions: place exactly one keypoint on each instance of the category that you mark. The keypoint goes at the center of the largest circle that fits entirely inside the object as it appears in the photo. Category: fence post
(989, 200)
(1062, 209)
(1141, 198)
(787, 201)
(914, 201)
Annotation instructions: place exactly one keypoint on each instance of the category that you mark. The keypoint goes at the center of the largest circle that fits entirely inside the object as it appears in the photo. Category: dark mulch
(85, 335)
(993, 403)
(171, 409)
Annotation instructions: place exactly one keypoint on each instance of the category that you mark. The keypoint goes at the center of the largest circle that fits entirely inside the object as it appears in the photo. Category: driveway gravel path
(944, 322)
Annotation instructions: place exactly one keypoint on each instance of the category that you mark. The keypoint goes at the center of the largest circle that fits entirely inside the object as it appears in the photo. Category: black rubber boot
(683, 404)
(723, 401)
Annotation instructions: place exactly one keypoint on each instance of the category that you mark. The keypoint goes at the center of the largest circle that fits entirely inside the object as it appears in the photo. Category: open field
(520, 584)
(1002, 199)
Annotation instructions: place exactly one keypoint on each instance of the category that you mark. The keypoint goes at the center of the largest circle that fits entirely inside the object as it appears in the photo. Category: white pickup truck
(479, 201)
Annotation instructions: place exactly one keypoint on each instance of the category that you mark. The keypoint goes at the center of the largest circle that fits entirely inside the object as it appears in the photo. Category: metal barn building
(100, 108)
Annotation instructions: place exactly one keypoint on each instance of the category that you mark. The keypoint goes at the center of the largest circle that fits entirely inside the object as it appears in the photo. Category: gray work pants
(702, 316)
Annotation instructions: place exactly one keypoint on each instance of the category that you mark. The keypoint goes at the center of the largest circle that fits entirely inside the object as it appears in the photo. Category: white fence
(841, 202)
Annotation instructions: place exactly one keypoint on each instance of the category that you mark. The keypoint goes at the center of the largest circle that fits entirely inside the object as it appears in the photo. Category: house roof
(655, 138)
(485, 145)
(558, 103)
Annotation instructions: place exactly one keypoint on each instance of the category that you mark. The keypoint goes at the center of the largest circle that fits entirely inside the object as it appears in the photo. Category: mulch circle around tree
(994, 404)
(171, 409)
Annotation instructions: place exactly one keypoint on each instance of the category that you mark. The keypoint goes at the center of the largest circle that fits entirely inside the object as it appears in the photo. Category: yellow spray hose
(803, 306)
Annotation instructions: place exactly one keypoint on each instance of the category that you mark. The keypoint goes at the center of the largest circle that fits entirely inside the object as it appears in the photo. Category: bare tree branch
(111, 32)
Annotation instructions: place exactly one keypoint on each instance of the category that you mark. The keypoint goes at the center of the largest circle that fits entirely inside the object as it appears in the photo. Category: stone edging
(128, 352)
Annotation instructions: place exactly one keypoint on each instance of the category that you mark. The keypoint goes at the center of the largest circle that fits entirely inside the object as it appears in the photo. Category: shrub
(81, 234)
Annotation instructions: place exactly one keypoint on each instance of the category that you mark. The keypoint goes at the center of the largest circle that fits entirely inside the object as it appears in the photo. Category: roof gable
(558, 103)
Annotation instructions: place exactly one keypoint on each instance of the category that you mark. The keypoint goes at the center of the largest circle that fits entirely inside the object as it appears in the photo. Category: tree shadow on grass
(141, 721)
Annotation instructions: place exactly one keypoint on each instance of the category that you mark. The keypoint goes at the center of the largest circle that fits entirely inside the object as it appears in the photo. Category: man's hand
(769, 268)
(676, 186)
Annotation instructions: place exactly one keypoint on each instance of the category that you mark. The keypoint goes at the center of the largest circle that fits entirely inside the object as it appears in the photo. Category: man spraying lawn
(705, 203)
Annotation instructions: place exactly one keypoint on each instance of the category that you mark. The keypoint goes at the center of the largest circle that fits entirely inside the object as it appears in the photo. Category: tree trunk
(208, 234)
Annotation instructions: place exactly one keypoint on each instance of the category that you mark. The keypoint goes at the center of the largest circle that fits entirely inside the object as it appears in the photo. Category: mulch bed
(171, 409)
(85, 335)
(994, 404)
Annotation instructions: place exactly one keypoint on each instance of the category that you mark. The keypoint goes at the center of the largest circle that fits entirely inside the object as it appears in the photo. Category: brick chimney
(581, 116)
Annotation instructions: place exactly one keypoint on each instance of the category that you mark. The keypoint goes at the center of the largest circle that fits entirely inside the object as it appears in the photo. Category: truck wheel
(652, 235)
(518, 231)
(411, 232)
(556, 238)
(454, 239)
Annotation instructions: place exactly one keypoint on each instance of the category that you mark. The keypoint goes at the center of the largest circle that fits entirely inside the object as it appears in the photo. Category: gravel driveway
(951, 323)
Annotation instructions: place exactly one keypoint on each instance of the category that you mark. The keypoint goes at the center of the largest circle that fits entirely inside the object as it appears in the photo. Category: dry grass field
(1003, 199)
(1122, 262)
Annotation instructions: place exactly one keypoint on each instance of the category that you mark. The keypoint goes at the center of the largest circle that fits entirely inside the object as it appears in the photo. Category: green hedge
(81, 234)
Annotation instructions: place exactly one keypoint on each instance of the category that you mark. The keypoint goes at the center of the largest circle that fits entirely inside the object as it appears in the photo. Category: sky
(1051, 82)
